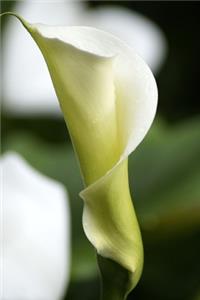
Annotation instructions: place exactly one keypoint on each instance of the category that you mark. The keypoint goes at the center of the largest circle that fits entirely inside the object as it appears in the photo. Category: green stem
(114, 279)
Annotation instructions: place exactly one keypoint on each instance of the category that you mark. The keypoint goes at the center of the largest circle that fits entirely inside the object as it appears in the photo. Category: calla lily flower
(27, 88)
(108, 97)
(35, 233)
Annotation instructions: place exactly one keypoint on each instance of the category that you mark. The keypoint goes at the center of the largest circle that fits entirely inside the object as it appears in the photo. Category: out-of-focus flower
(35, 234)
(27, 88)
(108, 96)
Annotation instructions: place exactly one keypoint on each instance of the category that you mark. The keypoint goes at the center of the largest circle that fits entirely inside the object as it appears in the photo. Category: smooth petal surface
(35, 233)
(136, 30)
(108, 96)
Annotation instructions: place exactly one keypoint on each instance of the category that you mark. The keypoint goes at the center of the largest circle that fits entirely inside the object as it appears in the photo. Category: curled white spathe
(102, 84)
(136, 30)
(35, 236)
(135, 88)
(109, 97)
(27, 88)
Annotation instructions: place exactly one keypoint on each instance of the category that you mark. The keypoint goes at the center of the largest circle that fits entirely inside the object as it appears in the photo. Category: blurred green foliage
(164, 180)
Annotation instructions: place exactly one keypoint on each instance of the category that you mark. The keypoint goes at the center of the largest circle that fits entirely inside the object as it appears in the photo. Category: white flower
(27, 88)
(35, 234)
(108, 97)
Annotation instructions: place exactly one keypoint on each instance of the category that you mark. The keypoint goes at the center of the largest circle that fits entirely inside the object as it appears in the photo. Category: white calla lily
(28, 90)
(35, 236)
(108, 96)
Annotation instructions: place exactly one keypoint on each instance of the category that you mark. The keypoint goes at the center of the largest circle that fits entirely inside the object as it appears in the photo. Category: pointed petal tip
(22, 20)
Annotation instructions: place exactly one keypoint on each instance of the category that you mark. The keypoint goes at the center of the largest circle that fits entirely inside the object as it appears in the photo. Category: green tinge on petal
(103, 88)
(84, 85)
(110, 222)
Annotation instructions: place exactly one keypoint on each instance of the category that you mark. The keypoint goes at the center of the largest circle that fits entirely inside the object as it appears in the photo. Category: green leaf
(165, 172)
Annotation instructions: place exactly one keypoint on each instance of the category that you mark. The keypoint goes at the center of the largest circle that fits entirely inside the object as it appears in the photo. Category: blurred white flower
(27, 87)
(35, 235)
